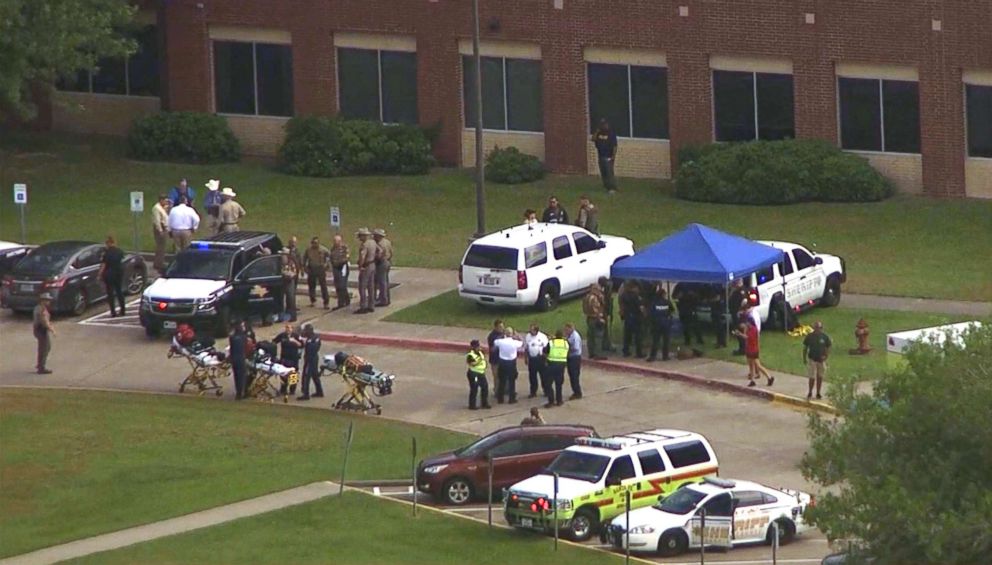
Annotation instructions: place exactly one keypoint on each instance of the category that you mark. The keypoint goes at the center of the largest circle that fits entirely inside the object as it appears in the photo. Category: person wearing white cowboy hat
(367, 253)
(43, 331)
(230, 212)
(383, 262)
(211, 203)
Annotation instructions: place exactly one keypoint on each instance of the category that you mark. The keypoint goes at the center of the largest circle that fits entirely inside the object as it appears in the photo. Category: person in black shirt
(290, 343)
(554, 213)
(661, 310)
(606, 149)
(497, 333)
(237, 353)
(112, 275)
(311, 363)
(632, 313)
(688, 301)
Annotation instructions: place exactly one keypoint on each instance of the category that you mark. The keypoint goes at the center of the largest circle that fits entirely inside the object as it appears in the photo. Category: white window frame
(881, 116)
(506, 100)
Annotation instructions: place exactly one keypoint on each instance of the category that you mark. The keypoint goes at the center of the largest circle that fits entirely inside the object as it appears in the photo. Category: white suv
(537, 264)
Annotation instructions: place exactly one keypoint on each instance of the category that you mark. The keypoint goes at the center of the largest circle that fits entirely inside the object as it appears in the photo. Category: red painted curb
(457, 347)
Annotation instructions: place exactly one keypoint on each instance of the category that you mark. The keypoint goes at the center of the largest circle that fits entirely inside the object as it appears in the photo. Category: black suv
(217, 279)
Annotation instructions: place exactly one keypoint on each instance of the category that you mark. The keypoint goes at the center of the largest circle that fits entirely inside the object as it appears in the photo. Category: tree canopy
(909, 464)
(41, 40)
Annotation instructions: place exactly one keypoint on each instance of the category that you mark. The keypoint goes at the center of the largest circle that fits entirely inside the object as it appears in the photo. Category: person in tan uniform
(230, 212)
(595, 310)
(315, 261)
(366, 271)
(383, 262)
(43, 331)
(160, 229)
(340, 255)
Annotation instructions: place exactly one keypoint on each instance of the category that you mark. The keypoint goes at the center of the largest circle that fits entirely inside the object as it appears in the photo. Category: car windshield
(492, 257)
(682, 501)
(580, 465)
(214, 264)
(46, 260)
(479, 447)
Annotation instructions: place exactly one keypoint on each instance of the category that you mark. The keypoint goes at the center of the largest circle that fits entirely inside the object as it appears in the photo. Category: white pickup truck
(803, 279)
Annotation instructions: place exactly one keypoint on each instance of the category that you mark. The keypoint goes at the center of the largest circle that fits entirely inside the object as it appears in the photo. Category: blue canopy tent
(698, 254)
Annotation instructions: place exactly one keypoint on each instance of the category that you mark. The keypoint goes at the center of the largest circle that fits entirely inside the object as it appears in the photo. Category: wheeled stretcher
(362, 382)
(206, 363)
(267, 375)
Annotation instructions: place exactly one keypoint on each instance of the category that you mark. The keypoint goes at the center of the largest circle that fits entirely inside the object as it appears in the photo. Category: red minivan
(458, 476)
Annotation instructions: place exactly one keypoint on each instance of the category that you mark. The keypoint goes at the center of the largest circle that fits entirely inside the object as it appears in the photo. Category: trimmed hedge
(509, 166)
(777, 172)
(189, 137)
(332, 147)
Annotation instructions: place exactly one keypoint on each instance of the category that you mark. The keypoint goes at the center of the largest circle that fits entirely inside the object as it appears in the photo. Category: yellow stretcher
(362, 382)
(268, 377)
(207, 366)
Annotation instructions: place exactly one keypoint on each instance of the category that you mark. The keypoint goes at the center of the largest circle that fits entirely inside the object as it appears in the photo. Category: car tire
(672, 543)
(548, 298)
(135, 282)
(457, 491)
(79, 303)
(584, 524)
(223, 324)
(786, 532)
(776, 319)
(831, 292)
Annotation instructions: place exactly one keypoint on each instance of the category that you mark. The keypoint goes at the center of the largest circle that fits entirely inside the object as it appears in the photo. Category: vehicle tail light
(753, 299)
(57, 282)
(540, 505)
(521, 280)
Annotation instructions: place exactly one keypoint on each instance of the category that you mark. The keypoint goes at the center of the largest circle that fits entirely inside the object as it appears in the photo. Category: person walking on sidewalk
(315, 261)
(816, 349)
(557, 354)
(311, 363)
(605, 141)
(574, 361)
(534, 342)
(632, 314)
(595, 312)
(366, 271)
(383, 263)
(661, 323)
(508, 347)
(43, 332)
(340, 255)
(476, 374)
(752, 352)
(160, 230)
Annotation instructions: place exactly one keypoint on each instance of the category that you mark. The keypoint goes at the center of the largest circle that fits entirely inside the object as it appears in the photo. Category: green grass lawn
(352, 530)
(778, 351)
(77, 464)
(909, 246)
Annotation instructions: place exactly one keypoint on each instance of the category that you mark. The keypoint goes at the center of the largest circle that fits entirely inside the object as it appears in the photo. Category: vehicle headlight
(564, 505)
(435, 469)
(642, 530)
(206, 303)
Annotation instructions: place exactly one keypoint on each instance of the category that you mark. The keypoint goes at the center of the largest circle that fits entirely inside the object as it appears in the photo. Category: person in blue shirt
(180, 190)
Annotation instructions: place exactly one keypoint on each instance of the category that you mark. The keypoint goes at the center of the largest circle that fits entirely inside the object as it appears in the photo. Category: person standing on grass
(496, 333)
(182, 191)
(315, 261)
(816, 349)
(183, 221)
(661, 310)
(160, 230)
(588, 215)
(534, 342)
(606, 149)
(595, 312)
(229, 213)
(554, 213)
(632, 314)
(43, 332)
(211, 206)
(530, 217)
(508, 347)
(112, 275)
(607, 288)
(476, 374)
(311, 363)
(752, 353)
(340, 255)
(574, 360)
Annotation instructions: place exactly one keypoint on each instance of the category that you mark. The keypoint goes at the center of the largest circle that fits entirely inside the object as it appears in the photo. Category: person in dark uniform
(476, 374)
(554, 213)
(43, 331)
(738, 294)
(688, 300)
(607, 287)
(661, 310)
(112, 275)
(290, 343)
(238, 354)
(311, 364)
(718, 315)
(632, 314)
(605, 141)
(496, 333)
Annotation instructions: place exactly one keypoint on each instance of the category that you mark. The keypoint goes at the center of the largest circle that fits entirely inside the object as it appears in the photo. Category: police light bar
(599, 442)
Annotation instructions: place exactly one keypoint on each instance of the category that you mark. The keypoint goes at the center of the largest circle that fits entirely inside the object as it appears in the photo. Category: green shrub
(777, 172)
(189, 137)
(509, 166)
(331, 147)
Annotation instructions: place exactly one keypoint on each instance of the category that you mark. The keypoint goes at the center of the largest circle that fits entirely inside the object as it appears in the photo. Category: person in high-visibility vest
(476, 374)
(557, 352)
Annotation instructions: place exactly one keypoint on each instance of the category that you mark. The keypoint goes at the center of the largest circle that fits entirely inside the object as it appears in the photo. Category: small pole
(413, 467)
(774, 543)
(702, 536)
(347, 449)
(24, 225)
(134, 216)
(490, 473)
(556, 511)
(627, 530)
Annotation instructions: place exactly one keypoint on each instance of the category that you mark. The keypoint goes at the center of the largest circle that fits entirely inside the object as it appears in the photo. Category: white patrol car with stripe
(736, 513)
(594, 475)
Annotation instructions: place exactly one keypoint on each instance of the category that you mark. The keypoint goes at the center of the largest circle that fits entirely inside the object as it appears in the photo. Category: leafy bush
(509, 166)
(777, 172)
(189, 137)
(331, 147)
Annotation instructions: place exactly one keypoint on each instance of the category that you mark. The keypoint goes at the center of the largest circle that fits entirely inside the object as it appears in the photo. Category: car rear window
(491, 257)
(687, 453)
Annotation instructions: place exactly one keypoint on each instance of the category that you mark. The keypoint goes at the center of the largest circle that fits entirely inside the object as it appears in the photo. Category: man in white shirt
(183, 221)
(507, 348)
(574, 363)
(534, 343)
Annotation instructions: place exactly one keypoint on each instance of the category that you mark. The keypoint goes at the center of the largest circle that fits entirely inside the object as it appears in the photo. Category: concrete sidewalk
(178, 525)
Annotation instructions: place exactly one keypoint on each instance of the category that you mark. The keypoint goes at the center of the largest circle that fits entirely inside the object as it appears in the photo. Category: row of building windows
(257, 79)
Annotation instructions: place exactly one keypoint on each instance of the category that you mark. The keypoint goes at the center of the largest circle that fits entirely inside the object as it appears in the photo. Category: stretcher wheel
(219, 392)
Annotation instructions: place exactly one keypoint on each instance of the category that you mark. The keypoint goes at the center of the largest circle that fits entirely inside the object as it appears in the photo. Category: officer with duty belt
(367, 252)
(557, 353)
(383, 263)
(476, 374)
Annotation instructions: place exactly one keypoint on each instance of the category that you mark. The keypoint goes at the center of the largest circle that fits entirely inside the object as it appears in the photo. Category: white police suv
(537, 264)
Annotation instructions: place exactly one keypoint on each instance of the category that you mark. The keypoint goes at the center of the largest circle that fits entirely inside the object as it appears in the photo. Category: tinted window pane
(622, 469)
(523, 95)
(399, 87)
(562, 249)
(508, 448)
(275, 79)
(649, 98)
(535, 255)
(719, 505)
(234, 77)
(688, 453)
(358, 83)
(491, 257)
(142, 67)
(902, 116)
(493, 115)
(651, 462)
(748, 498)
(860, 119)
(608, 98)
(775, 109)
(733, 104)
(803, 259)
(109, 77)
(584, 243)
(979, 102)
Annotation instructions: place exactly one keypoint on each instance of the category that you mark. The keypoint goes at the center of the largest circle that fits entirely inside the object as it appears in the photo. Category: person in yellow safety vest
(557, 352)
(476, 374)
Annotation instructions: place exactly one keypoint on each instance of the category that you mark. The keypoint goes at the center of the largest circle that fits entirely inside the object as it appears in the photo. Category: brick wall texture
(879, 32)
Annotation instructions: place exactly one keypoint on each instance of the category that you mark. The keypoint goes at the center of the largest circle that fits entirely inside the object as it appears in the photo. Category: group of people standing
(547, 358)
(294, 344)
(555, 213)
